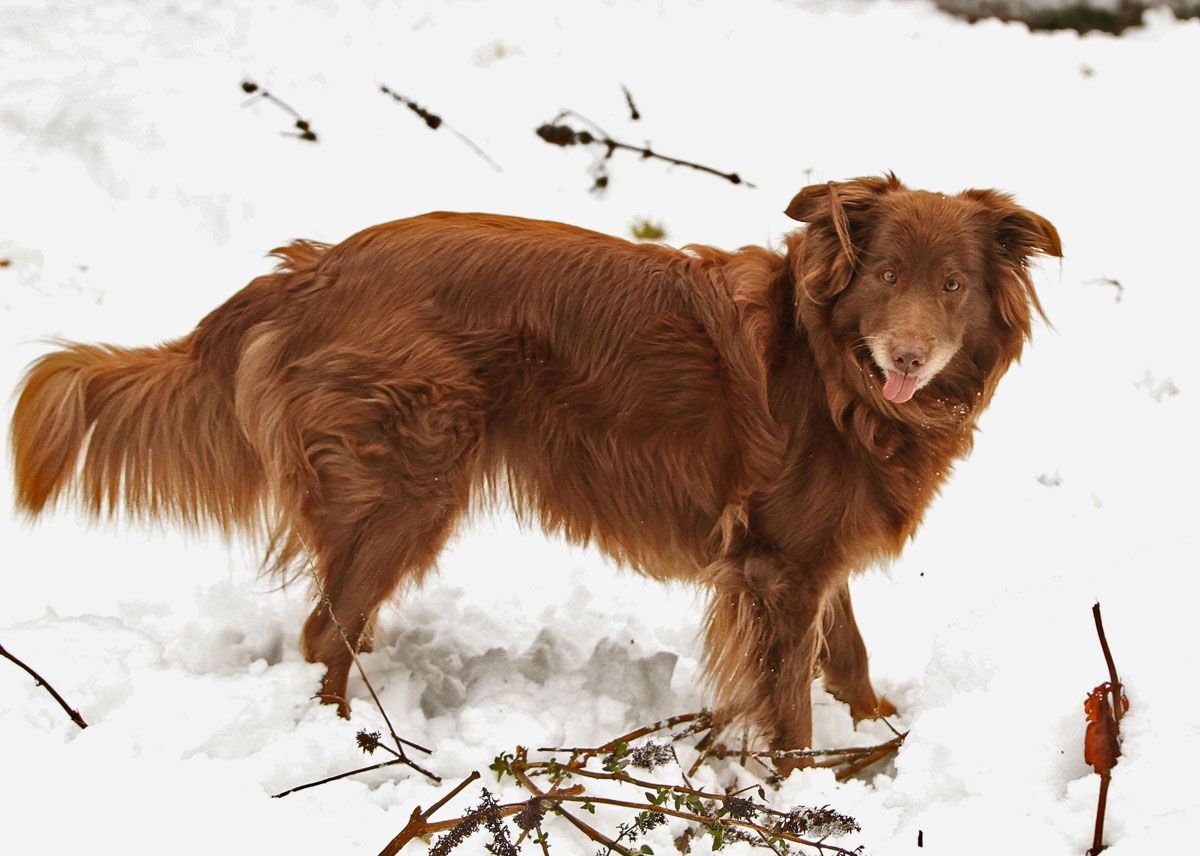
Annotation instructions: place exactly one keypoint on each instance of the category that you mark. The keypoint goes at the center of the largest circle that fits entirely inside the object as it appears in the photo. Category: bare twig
(368, 742)
(558, 134)
(1117, 690)
(767, 841)
(591, 833)
(417, 825)
(506, 810)
(1098, 844)
(704, 747)
(329, 779)
(852, 759)
(634, 115)
(1105, 706)
(882, 751)
(704, 717)
(302, 125)
(41, 682)
(400, 741)
(435, 121)
(1110, 282)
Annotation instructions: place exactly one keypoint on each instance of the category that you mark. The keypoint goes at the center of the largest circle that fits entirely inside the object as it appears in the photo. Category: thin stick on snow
(71, 712)
(303, 126)
(1118, 708)
(334, 778)
(1101, 741)
(400, 741)
(435, 121)
(558, 134)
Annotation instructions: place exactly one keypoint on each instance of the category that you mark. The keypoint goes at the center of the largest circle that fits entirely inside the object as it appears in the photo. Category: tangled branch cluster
(724, 817)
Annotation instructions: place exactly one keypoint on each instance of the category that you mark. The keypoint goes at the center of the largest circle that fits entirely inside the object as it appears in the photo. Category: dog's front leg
(843, 660)
(763, 636)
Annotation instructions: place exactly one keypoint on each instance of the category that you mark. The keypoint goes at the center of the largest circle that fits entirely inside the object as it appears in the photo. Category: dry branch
(41, 682)
(368, 742)
(634, 113)
(1105, 706)
(337, 776)
(434, 121)
(303, 126)
(724, 816)
(558, 134)
(701, 720)
(419, 826)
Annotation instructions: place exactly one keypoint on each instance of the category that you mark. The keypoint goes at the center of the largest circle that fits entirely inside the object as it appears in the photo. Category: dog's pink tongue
(899, 388)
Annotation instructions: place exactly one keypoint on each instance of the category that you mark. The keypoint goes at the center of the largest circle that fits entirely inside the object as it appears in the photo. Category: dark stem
(303, 126)
(708, 821)
(1101, 806)
(862, 763)
(329, 779)
(562, 135)
(1118, 708)
(633, 110)
(646, 152)
(458, 789)
(435, 121)
(703, 716)
(417, 823)
(71, 712)
(400, 742)
(598, 837)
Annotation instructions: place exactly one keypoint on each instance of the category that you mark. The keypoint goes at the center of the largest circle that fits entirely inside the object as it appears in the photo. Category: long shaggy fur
(144, 429)
(760, 423)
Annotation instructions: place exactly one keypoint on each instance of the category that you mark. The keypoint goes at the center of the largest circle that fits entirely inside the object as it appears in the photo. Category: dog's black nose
(907, 358)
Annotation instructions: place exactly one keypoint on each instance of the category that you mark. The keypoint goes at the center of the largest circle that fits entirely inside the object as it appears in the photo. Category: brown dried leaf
(1100, 746)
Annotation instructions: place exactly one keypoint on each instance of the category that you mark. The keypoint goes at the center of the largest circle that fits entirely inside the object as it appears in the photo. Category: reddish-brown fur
(700, 415)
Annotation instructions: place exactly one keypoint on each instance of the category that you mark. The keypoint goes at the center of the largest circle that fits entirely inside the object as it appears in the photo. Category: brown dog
(758, 422)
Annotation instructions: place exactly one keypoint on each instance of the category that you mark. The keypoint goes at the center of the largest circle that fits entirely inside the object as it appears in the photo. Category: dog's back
(606, 383)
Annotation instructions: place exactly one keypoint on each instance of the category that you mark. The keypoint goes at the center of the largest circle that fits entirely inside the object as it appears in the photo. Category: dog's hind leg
(762, 641)
(375, 468)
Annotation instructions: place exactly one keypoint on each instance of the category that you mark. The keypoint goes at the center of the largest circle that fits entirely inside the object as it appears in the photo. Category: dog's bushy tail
(148, 431)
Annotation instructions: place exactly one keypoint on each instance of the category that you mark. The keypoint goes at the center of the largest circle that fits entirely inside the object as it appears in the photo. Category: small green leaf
(501, 765)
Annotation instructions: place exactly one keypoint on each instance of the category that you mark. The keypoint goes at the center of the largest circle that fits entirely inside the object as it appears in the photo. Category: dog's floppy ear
(839, 215)
(840, 199)
(1019, 231)
(1019, 234)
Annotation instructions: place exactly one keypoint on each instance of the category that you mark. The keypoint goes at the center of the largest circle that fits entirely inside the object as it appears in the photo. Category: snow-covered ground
(140, 190)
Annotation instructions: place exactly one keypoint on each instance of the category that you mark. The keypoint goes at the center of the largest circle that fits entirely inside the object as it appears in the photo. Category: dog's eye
(951, 285)
(889, 276)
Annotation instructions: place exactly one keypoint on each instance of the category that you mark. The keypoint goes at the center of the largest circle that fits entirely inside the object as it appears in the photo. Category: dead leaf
(1100, 744)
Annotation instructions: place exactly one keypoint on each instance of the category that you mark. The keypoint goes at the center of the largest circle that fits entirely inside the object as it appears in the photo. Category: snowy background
(140, 190)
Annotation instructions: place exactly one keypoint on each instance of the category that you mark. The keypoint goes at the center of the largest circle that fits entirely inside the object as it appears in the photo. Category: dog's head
(918, 286)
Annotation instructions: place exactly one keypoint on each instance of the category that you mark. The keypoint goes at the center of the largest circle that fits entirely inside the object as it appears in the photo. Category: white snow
(140, 190)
